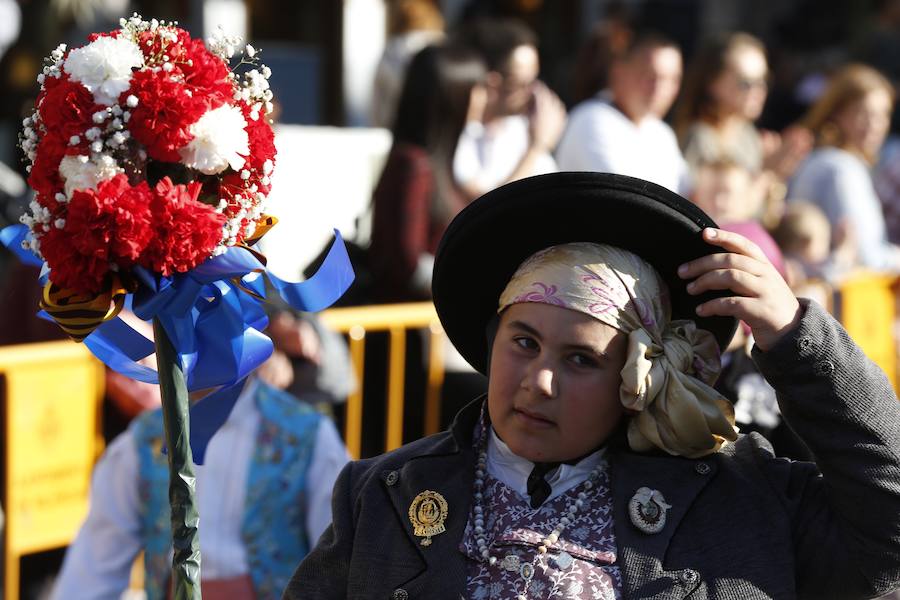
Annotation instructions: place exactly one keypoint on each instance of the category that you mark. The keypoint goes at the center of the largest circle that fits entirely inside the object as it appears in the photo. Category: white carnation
(80, 174)
(220, 138)
(104, 67)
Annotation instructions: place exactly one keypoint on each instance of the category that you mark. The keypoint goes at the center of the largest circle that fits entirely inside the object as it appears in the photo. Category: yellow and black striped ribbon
(79, 314)
(263, 225)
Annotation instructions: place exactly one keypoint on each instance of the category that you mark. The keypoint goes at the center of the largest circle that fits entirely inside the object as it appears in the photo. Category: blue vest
(274, 525)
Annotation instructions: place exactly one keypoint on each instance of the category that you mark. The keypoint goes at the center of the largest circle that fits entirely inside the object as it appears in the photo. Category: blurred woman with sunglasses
(725, 89)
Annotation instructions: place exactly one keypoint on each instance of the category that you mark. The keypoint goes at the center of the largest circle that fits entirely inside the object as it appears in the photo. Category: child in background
(805, 237)
(724, 190)
(721, 189)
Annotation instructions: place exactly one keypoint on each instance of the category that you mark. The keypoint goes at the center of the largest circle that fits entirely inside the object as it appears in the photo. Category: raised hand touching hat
(761, 297)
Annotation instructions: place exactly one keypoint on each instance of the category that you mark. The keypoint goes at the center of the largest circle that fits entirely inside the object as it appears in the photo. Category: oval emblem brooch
(647, 509)
(427, 514)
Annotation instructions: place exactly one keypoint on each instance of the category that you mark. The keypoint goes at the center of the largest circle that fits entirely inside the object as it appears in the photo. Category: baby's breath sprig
(52, 64)
(163, 31)
(254, 90)
(222, 45)
(249, 74)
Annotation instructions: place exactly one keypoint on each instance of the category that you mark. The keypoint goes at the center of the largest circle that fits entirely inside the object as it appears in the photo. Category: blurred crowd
(470, 112)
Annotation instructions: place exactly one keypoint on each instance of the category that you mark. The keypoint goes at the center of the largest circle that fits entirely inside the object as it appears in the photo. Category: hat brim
(488, 240)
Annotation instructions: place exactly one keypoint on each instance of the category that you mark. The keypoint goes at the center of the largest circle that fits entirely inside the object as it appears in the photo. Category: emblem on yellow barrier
(427, 514)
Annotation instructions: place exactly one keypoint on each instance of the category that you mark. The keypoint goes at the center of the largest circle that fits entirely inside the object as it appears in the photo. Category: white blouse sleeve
(467, 161)
(329, 457)
(857, 200)
(98, 563)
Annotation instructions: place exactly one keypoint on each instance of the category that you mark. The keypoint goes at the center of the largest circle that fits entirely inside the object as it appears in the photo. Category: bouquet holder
(176, 419)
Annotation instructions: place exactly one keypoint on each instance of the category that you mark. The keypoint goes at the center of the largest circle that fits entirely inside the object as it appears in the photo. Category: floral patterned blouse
(580, 565)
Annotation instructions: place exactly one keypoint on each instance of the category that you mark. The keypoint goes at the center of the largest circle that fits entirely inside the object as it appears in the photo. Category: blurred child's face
(723, 192)
(817, 245)
(554, 383)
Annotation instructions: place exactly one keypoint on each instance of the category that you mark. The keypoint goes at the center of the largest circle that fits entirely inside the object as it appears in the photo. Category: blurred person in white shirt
(621, 130)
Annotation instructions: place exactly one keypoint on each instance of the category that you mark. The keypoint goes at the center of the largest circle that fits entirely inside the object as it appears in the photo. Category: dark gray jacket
(743, 524)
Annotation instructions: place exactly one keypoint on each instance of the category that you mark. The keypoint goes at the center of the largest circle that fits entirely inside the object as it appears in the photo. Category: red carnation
(66, 108)
(186, 230)
(49, 84)
(44, 177)
(160, 46)
(165, 112)
(68, 269)
(95, 36)
(207, 74)
(261, 139)
(110, 224)
(232, 185)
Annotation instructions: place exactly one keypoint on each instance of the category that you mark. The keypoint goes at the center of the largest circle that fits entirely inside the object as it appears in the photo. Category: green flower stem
(182, 482)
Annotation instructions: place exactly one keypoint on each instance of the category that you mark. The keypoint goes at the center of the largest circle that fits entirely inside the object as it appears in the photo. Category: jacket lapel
(642, 555)
(447, 470)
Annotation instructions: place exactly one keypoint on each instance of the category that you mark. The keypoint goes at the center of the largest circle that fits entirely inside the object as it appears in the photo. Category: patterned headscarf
(670, 366)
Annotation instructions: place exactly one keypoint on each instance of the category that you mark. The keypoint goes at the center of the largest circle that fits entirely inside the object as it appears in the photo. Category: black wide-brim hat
(488, 240)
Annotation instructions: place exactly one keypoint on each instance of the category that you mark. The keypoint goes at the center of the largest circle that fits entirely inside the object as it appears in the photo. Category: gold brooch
(427, 514)
(647, 510)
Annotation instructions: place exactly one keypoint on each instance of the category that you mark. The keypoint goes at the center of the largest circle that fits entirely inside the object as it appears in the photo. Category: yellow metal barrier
(867, 309)
(51, 439)
(395, 319)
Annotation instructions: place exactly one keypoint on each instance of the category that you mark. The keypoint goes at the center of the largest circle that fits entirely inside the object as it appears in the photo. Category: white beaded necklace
(511, 562)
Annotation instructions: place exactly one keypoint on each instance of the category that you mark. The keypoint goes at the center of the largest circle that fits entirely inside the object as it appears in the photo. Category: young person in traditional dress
(601, 463)
(262, 494)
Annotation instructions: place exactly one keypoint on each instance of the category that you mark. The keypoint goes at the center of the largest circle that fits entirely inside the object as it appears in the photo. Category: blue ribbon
(215, 325)
(12, 237)
(208, 414)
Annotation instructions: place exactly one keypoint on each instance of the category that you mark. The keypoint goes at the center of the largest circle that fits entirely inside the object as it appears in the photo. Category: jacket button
(824, 368)
(702, 468)
(399, 594)
(390, 479)
(689, 577)
(804, 343)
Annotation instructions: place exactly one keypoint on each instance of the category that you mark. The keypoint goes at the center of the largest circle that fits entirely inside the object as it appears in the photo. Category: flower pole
(176, 419)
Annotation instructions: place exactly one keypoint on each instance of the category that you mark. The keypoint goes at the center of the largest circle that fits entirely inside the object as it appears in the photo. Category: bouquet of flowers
(145, 149)
(150, 156)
